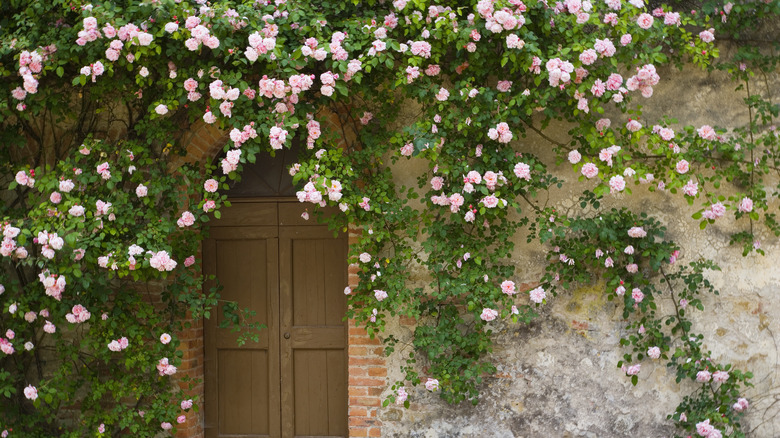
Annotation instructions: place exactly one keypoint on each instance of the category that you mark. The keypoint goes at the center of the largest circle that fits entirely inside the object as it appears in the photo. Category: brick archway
(367, 369)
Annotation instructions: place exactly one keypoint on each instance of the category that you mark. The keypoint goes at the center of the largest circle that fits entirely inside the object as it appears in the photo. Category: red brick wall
(367, 365)
(367, 371)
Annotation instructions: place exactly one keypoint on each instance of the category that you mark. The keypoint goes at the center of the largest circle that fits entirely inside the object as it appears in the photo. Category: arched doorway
(291, 272)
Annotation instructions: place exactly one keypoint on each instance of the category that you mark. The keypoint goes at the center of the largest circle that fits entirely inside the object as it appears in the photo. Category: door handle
(287, 336)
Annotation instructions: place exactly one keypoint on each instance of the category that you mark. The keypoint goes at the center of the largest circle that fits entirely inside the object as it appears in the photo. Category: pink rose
(211, 185)
(490, 201)
(537, 295)
(141, 191)
(488, 314)
(380, 295)
(645, 21)
(704, 428)
(682, 166)
(590, 170)
(746, 205)
(523, 171)
(508, 287)
(186, 219)
(617, 184)
(706, 132)
(31, 392)
(720, 376)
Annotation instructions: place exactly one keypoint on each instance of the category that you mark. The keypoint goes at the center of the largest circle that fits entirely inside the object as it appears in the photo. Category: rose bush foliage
(100, 94)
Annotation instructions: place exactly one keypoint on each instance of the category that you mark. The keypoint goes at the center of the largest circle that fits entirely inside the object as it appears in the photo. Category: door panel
(242, 391)
(313, 277)
(293, 383)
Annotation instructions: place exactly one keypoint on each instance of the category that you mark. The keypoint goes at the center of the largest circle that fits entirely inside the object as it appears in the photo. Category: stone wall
(557, 376)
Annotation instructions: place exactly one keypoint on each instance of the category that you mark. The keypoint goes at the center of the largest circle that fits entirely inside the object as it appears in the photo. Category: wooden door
(292, 273)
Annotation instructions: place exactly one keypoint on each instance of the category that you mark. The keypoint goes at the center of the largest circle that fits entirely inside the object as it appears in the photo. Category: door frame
(252, 217)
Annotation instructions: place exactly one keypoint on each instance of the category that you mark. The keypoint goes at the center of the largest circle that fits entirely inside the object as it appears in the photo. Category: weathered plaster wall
(557, 377)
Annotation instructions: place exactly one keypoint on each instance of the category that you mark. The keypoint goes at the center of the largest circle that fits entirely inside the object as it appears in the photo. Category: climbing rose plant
(102, 218)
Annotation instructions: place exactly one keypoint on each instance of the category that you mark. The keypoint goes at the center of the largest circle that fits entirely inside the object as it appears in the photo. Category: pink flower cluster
(118, 344)
(707, 133)
(559, 71)
(606, 154)
(741, 405)
(6, 347)
(337, 51)
(706, 430)
(644, 80)
(401, 396)
(328, 80)
(313, 129)
(78, 314)
(259, 45)
(164, 368)
(310, 48)
(239, 137)
(54, 284)
(380, 295)
(500, 133)
(50, 243)
(90, 32)
(103, 170)
(162, 261)
(24, 180)
(277, 137)
(231, 160)
(199, 34)
(514, 42)
(187, 219)
(604, 47)
(93, 70)
(8, 247)
(310, 193)
(421, 48)
(505, 19)
(30, 66)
